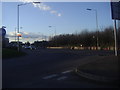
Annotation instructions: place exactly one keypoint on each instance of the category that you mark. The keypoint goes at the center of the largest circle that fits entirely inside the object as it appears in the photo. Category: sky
(63, 17)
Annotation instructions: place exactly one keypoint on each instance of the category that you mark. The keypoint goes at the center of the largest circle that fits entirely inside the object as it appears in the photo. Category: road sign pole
(115, 37)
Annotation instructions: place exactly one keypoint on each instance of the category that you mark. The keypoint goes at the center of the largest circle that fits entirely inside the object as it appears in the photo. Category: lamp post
(18, 20)
(96, 24)
(55, 29)
(54, 32)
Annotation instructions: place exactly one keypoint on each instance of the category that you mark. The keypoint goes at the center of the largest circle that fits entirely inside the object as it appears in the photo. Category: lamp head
(88, 9)
(37, 2)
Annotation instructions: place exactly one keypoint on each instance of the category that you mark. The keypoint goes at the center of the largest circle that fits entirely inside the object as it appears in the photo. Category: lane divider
(58, 75)
(68, 71)
(62, 78)
(50, 76)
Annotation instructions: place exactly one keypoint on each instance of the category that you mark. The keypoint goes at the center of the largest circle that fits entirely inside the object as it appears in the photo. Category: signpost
(115, 9)
(3, 32)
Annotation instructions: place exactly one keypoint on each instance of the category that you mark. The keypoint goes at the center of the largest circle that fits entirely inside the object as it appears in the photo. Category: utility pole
(115, 8)
(97, 44)
(18, 20)
(18, 27)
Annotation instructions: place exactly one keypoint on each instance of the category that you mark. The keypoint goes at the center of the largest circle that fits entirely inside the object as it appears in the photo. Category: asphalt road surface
(48, 68)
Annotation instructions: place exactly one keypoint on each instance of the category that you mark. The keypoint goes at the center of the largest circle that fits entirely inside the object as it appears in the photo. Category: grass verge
(10, 53)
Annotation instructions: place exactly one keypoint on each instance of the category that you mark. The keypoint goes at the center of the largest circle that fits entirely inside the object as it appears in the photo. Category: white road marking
(50, 76)
(62, 78)
(55, 75)
(68, 71)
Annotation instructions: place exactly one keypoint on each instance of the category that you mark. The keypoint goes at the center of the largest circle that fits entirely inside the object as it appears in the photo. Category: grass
(11, 53)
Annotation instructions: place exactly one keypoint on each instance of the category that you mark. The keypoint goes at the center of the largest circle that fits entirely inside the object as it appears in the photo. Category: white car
(30, 47)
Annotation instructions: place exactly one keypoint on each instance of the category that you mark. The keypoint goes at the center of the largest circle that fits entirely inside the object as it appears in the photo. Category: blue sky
(66, 17)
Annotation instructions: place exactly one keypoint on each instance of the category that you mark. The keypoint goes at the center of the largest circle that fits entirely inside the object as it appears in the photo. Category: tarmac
(102, 69)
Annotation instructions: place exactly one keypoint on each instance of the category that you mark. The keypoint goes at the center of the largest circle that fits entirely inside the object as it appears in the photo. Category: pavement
(102, 69)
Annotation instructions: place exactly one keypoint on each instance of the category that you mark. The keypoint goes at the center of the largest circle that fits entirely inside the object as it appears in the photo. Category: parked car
(32, 47)
(27, 47)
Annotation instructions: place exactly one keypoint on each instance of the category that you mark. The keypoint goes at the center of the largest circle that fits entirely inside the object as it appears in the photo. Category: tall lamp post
(55, 29)
(54, 32)
(96, 24)
(18, 20)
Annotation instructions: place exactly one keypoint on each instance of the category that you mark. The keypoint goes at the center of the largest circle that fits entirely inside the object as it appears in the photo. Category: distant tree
(42, 44)
(27, 43)
(86, 38)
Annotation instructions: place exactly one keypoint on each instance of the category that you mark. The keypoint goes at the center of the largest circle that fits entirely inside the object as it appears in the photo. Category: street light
(55, 33)
(89, 9)
(18, 19)
(96, 24)
(54, 27)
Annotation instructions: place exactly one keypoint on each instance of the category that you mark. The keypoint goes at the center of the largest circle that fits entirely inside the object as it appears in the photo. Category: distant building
(6, 41)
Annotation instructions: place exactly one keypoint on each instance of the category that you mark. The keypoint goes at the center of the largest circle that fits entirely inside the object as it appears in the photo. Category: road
(48, 68)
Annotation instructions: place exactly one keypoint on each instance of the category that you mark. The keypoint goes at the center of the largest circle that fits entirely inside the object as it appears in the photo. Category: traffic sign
(115, 10)
(2, 32)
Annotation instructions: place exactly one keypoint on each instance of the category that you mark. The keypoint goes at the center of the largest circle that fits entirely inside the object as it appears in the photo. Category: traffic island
(103, 69)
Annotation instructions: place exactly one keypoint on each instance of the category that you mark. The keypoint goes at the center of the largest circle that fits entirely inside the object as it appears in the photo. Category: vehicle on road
(30, 47)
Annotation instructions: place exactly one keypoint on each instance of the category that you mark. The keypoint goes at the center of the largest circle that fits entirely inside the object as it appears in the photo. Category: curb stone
(95, 77)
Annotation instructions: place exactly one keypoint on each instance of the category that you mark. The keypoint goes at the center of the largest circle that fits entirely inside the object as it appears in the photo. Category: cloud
(43, 7)
(25, 1)
(59, 14)
(28, 36)
(55, 12)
